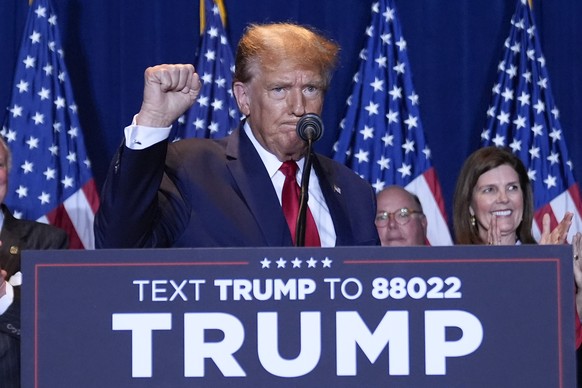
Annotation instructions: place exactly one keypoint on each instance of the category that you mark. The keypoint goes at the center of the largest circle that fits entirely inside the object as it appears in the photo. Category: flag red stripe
(574, 192)
(539, 215)
(433, 183)
(60, 218)
(92, 195)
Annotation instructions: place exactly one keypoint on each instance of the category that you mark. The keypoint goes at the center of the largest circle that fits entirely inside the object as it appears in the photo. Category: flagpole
(221, 9)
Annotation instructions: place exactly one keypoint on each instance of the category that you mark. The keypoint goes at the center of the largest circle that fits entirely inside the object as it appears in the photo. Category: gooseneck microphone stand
(303, 198)
(310, 129)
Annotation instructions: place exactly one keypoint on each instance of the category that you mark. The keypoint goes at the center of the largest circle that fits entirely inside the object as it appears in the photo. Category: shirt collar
(269, 160)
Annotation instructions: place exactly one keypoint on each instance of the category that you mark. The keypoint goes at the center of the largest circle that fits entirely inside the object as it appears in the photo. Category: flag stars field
(530, 125)
(381, 137)
(22, 86)
(36, 130)
(215, 113)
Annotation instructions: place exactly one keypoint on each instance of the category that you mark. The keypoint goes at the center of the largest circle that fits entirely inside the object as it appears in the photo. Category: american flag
(215, 113)
(381, 136)
(50, 180)
(523, 116)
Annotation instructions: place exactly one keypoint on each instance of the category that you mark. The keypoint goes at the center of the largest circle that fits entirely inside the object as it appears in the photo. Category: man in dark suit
(16, 235)
(229, 192)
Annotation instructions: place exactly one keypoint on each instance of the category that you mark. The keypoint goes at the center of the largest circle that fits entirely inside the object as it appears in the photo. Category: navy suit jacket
(217, 193)
(17, 235)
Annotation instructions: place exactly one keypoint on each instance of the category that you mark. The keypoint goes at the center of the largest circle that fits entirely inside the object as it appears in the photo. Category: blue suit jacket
(217, 193)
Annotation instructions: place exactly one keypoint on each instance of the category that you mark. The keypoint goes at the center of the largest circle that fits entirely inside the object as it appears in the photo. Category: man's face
(274, 100)
(393, 233)
(3, 173)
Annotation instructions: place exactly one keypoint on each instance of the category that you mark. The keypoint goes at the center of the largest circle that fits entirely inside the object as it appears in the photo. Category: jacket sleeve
(131, 200)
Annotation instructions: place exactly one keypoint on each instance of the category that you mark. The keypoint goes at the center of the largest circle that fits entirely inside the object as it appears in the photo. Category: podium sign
(299, 317)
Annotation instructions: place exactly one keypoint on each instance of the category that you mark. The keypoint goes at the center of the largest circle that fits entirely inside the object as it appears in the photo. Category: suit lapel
(332, 192)
(257, 189)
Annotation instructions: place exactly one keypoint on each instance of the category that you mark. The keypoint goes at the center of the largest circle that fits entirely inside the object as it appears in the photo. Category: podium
(463, 316)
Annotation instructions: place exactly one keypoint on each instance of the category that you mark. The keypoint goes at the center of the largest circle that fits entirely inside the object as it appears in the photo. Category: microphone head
(310, 127)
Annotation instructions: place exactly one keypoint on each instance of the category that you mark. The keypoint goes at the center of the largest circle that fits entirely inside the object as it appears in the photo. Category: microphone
(310, 127)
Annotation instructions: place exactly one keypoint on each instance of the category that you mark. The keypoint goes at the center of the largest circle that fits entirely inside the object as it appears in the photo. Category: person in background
(493, 204)
(399, 219)
(229, 192)
(16, 235)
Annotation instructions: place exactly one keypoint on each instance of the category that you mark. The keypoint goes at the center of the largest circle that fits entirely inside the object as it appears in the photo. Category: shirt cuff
(6, 300)
(139, 137)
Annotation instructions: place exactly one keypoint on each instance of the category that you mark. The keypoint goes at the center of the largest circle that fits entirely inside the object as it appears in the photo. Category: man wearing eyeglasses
(399, 218)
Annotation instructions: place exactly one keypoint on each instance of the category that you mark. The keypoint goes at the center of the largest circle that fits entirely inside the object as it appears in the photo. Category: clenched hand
(169, 90)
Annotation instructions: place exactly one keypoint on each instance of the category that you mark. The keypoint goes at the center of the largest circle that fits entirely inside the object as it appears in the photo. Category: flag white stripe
(82, 218)
(536, 231)
(437, 231)
(559, 206)
(43, 219)
(563, 203)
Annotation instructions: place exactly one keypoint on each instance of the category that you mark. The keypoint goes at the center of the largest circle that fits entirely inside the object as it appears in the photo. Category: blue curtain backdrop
(454, 47)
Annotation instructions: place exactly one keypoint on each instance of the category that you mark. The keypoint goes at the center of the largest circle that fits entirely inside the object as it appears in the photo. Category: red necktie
(290, 204)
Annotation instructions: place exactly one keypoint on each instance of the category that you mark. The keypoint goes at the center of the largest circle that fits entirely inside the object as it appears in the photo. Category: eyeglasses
(401, 216)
